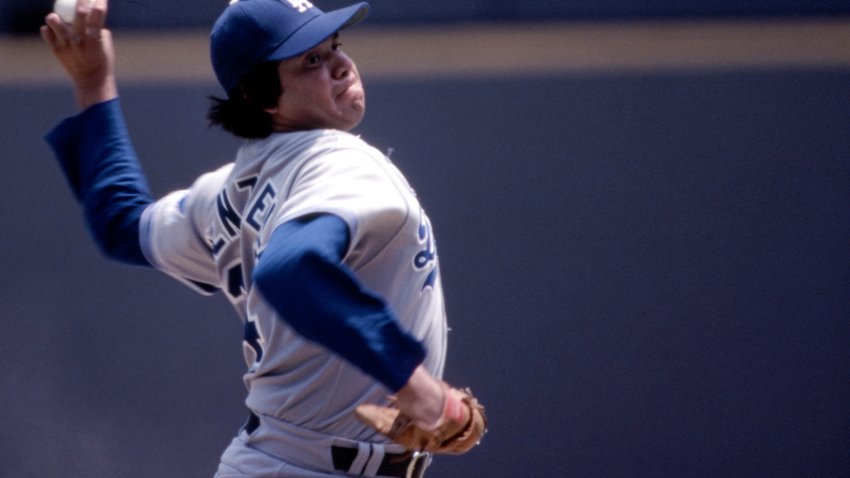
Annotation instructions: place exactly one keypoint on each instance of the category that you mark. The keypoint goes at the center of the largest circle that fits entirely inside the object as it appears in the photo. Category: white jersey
(210, 236)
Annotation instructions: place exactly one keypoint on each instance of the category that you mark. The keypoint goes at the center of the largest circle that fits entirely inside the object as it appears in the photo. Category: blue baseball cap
(250, 32)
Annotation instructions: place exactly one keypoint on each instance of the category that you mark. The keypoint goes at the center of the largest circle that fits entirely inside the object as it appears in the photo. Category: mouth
(349, 89)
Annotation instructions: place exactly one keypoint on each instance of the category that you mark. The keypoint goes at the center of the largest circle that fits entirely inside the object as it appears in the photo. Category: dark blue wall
(24, 16)
(646, 275)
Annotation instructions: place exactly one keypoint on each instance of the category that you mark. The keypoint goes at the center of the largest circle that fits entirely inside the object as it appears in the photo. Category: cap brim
(318, 29)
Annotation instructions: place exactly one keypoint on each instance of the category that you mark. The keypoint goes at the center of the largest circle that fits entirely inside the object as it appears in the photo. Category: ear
(272, 110)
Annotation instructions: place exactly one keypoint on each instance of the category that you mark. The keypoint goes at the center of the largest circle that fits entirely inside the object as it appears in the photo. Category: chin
(353, 119)
(349, 126)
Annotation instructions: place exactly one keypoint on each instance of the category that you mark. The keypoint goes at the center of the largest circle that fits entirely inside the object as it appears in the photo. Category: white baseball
(66, 9)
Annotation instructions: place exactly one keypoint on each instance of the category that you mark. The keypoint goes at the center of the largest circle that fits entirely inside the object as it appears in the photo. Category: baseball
(65, 9)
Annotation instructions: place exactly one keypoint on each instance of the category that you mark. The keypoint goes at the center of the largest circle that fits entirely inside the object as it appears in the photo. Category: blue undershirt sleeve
(301, 274)
(100, 165)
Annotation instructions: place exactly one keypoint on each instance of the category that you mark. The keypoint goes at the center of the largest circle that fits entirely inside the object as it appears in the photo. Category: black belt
(403, 465)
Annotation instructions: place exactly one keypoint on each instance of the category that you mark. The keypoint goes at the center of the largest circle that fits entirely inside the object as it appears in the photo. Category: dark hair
(242, 112)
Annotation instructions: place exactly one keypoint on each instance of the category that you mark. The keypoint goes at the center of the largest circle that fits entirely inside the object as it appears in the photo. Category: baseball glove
(449, 437)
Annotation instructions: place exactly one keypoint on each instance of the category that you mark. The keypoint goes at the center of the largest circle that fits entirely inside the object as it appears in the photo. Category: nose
(343, 66)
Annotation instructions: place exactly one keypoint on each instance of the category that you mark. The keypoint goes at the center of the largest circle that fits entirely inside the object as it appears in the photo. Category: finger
(80, 23)
(47, 35)
(58, 33)
(99, 8)
(454, 408)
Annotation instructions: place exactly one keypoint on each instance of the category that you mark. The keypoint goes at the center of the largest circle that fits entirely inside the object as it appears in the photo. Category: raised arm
(93, 148)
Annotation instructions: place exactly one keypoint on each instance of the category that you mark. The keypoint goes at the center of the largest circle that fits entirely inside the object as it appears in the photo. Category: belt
(404, 465)
(400, 465)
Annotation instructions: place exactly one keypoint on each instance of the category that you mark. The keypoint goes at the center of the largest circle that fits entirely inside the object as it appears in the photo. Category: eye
(313, 59)
(336, 46)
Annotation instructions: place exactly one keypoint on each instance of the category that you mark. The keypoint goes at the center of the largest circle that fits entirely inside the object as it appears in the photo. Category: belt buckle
(418, 464)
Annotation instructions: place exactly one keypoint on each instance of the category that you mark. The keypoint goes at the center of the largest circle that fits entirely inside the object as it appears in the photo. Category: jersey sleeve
(356, 186)
(99, 162)
(171, 234)
(300, 274)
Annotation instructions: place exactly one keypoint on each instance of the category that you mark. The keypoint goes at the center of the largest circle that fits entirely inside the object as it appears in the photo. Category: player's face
(321, 89)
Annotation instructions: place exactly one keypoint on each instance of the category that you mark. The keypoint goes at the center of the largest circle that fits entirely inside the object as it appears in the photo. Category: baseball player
(313, 235)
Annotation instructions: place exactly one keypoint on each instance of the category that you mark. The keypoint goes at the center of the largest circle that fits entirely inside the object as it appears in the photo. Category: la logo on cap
(301, 5)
